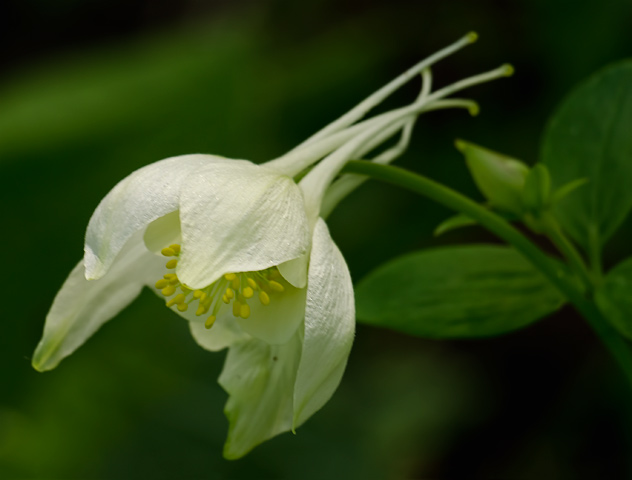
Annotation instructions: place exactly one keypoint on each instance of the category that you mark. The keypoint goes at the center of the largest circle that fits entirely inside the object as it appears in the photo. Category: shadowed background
(91, 91)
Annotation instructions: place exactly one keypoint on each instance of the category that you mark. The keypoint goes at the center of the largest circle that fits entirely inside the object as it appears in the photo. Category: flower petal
(259, 379)
(224, 333)
(238, 217)
(163, 232)
(329, 326)
(295, 271)
(82, 306)
(276, 323)
(137, 200)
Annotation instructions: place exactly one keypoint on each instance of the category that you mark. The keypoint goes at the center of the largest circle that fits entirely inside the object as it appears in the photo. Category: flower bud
(500, 179)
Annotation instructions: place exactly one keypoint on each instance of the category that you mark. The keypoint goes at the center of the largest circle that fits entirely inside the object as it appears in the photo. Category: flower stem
(565, 283)
(564, 245)
(594, 252)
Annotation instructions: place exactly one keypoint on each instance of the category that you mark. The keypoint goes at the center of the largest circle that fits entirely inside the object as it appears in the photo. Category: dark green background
(91, 91)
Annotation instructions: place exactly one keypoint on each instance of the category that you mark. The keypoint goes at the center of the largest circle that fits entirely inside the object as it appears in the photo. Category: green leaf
(460, 220)
(456, 292)
(614, 297)
(567, 189)
(590, 136)
(455, 221)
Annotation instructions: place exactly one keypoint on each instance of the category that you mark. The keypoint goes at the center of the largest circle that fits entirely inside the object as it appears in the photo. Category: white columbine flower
(248, 255)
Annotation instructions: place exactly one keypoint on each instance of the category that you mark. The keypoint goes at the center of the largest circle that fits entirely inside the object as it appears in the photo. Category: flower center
(235, 288)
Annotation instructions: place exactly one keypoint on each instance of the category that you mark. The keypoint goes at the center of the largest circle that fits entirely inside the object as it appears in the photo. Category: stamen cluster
(235, 288)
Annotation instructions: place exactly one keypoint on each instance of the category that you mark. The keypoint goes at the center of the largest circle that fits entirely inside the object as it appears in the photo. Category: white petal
(82, 306)
(224, 333)
(259, 379)
(162, 232)
(238, 217)
(225, 330)
(295, 271)
(276, 323)
(329, 326)
(137, 200)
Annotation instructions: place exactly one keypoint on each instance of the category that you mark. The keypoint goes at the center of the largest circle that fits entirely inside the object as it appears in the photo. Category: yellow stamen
(172, 264)
(264, 298)
(235, 288)
(168, 290)
(178, 299)
(210, 321)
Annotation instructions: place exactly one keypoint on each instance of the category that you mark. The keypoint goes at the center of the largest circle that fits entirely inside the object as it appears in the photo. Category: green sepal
(452, 223)
(536, 195)
(567, 189)
(461, 220)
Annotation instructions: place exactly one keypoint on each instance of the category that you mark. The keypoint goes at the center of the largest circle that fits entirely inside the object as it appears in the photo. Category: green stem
(564, 245)
(594, 251)
(452, 199)
(616, 343)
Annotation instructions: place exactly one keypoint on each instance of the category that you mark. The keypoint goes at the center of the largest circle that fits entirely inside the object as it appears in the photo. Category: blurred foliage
(250, 81)
(614, 297)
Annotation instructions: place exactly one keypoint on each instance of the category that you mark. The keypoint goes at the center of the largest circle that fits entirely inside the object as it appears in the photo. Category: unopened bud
(500, 178)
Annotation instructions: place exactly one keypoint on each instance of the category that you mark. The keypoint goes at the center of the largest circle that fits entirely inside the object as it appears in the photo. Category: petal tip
(41, 359)
(38, 367)
(230, 453)
(94, 267)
